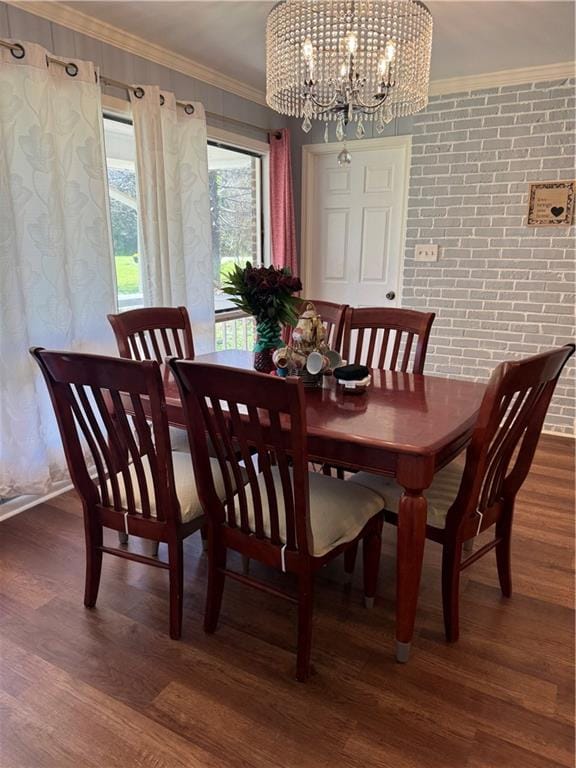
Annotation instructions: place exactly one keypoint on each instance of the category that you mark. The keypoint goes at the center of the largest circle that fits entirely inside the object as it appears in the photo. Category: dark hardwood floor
(107, 687)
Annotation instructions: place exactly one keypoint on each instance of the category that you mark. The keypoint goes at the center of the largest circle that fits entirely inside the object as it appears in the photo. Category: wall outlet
(427, 252)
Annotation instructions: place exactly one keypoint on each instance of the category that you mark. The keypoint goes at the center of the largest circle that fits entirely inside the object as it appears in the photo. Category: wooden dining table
(407, 426)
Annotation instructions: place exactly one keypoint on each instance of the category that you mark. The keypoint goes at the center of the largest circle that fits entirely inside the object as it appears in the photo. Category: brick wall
(499, 289)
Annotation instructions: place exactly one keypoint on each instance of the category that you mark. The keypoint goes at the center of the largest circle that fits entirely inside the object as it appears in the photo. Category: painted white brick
(500, 289)
(516, 130)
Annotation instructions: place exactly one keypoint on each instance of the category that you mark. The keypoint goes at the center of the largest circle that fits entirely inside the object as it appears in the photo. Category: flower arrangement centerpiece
(266, 293)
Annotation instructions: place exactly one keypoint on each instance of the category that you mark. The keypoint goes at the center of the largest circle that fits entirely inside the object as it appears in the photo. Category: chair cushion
(338, 510)
(179, 440)
(440, 495)
(185, 484)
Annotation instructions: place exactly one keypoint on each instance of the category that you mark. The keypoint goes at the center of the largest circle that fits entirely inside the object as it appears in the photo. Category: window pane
(234, 179)
(120, 159)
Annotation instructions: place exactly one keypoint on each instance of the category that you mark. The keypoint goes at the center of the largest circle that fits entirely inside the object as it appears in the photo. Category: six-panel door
(355, 223)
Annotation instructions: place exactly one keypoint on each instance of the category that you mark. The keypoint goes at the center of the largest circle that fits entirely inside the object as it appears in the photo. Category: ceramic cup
(316, 363)
(281, 357)
(334, 359)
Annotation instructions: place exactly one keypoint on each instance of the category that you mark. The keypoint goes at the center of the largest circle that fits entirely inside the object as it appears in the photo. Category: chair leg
(176, 571)
(122, 539)
(150, 547)
(371, 547)
(504, 532)
(204, 534)
(350, 561)
(451, 556)
(216, 565)
(245, 565)
(93, 564)
(305, 612)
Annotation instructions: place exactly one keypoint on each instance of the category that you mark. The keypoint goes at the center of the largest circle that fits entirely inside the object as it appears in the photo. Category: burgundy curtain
(282, 202)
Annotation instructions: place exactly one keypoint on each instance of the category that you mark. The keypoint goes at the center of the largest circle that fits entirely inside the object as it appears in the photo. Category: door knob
(390, 295)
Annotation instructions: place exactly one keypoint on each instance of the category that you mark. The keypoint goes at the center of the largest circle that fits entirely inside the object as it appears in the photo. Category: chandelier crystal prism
(348, 62)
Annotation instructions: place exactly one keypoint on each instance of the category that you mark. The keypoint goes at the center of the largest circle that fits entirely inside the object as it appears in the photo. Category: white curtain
(56, 269)
(175, 230)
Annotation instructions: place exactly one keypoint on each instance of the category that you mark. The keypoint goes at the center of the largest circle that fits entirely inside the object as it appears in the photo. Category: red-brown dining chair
(388, 339)
(155, 333)
(131, 481)
(332, 315)
(285, 517)
(475, 493)
(385, 338)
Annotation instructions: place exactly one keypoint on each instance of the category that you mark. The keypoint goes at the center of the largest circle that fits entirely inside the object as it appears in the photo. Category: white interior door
(355, 222)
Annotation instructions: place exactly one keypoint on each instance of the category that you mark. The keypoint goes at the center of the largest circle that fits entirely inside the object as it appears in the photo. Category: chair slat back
(332, 315)
(388, 339)
(507, 431)
(256, 424)
(103, 441)
(154, 333)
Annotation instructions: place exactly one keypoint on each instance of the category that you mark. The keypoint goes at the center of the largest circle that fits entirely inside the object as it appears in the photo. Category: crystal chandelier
(348, 62)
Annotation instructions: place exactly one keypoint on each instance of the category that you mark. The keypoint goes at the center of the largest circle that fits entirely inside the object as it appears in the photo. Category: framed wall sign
(551, 204)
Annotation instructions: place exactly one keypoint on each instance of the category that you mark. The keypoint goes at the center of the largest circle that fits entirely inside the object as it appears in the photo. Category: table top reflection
(403, 412)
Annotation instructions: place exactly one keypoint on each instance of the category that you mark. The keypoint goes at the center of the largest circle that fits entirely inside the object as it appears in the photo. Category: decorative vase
(263, 361)
(267, 341)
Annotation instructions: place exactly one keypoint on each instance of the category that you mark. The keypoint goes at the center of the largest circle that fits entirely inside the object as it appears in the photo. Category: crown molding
(106, 33)
(504, 77)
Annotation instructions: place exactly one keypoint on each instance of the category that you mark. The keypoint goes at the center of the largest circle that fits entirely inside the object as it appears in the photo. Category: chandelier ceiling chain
(348, 61)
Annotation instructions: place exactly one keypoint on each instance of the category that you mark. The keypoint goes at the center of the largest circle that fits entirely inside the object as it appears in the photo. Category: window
(120, 161)
(235, 180)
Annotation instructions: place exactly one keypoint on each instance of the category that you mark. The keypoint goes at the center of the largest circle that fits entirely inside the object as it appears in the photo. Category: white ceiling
(471, 37)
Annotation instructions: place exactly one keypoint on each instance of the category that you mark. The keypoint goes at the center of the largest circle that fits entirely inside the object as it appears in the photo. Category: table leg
(410, 551)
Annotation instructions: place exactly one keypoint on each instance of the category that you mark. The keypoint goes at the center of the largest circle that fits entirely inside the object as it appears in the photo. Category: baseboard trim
(22, 503)
(557, 433)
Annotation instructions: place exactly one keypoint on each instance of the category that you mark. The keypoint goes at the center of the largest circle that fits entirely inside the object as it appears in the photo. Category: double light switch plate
(426, 252)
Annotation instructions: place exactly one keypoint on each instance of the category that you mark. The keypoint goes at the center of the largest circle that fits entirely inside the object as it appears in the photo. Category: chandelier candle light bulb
(390, 50)
(351, 43)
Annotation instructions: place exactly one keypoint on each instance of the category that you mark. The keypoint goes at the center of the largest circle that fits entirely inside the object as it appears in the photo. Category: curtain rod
(18, 51)
(139, 92)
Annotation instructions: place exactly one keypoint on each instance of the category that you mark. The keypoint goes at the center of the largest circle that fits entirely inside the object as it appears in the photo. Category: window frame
(119, 111)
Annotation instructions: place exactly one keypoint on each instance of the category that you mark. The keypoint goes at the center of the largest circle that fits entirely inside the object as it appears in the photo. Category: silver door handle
(390, 295)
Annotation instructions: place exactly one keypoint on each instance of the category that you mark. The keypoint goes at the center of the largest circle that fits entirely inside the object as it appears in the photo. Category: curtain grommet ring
(139, 92)
(71, 69)
(18, 51)
(189, 109)
(162, 100)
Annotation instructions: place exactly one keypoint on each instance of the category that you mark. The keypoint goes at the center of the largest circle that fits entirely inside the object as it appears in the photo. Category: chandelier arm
(372, 107)
(322, 107)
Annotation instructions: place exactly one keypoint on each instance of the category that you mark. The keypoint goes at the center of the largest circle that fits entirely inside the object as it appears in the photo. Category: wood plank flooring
(107, 687)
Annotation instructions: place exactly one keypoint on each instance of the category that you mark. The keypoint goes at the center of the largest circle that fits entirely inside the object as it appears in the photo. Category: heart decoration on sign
(557, 211)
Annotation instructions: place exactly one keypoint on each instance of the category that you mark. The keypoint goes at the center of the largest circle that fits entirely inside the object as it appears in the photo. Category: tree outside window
(234, 181)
